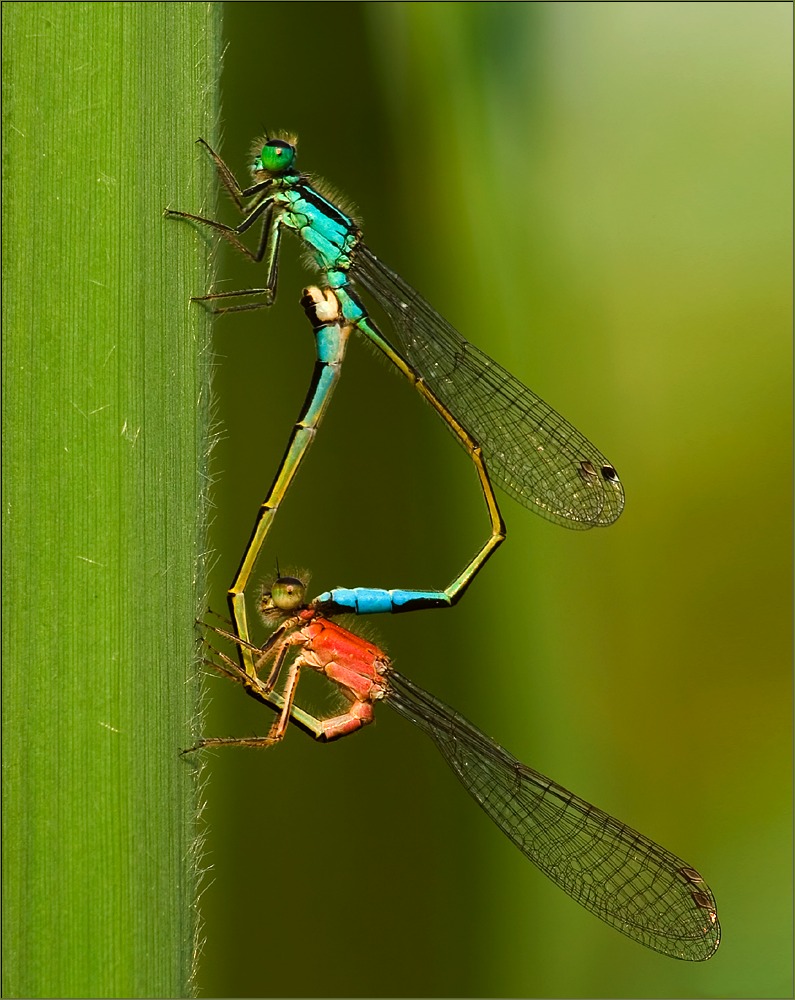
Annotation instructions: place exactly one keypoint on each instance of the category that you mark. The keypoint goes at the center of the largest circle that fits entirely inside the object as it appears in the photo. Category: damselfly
(621, 876)
(530, 450)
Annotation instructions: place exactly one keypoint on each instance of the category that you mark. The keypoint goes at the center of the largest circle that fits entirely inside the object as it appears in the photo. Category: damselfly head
(286, 594)
(274, 156)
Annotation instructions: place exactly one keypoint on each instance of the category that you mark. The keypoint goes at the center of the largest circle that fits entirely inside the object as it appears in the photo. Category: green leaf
(105, 408)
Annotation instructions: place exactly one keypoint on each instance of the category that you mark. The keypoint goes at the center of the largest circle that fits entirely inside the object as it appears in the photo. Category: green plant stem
(105, 414)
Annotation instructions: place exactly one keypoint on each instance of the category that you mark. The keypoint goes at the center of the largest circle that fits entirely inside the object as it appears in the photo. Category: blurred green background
(597, 194)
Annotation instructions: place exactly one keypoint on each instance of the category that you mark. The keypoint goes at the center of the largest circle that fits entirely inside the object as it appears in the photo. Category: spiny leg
(229, 233)
(228, 179)
(277, 702)
(267, 249)
(230, 669)
(269, 241)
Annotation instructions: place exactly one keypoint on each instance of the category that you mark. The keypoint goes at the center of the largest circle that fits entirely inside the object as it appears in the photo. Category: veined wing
(536, 455)
(618, 874)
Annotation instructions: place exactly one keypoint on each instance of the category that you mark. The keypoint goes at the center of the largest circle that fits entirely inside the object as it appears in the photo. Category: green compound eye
(276, 156)
(288, 593)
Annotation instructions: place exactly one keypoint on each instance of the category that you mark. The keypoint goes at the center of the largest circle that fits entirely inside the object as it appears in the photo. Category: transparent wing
(536, 455)
(621, 876)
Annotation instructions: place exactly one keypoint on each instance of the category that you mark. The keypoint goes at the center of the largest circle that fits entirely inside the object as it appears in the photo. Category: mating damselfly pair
(539, 458)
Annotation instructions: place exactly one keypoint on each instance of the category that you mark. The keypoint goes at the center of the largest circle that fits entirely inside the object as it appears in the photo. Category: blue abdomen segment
(373, 601)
